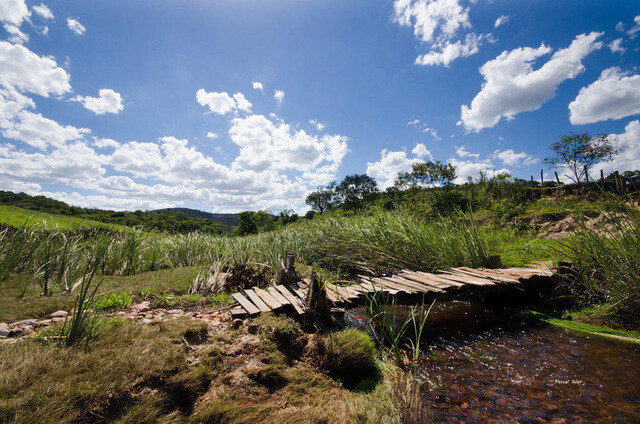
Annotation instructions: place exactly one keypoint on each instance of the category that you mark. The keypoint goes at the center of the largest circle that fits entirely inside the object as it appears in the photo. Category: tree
(425, 174)
(355, 190)
(321, 199)
(579, 152)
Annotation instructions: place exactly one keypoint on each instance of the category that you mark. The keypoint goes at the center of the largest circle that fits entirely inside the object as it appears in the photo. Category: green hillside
(14, 216)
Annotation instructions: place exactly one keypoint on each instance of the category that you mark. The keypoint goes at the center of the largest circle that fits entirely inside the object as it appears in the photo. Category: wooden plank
(382, 288)
(278, 296)
(302, 294)
(354, 293)
(340, 294)
(297, 303)
(253, 297)
(238, 312)
(424, 288)
(248, 306)
(331, 294)
(440, 285)
(393, 285)
(435, 278)
(466, 280)
(409, 288)
(344, 294)
(486, 274)
(268, 299)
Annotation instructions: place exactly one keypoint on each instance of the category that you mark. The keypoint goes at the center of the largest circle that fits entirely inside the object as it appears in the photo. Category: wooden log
(295, 301)
(248, 306)
(268, 299)
(495, 261)
(557, 178)
(253, 297)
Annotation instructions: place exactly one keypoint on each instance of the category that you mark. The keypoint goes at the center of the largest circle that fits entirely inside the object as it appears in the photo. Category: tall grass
(376, 243)
(607, 257)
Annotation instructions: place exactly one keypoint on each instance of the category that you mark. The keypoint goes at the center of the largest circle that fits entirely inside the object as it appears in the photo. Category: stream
(484, 365)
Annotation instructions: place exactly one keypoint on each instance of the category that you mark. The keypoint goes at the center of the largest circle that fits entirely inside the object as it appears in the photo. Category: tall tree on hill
(321, 199)
(426, 174)
(579, 152)
(356, 190)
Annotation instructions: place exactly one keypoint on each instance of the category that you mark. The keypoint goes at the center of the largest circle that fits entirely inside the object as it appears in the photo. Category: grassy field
(13, 216)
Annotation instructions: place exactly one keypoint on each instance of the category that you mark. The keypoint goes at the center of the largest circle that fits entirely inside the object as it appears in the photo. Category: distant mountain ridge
(229, 219)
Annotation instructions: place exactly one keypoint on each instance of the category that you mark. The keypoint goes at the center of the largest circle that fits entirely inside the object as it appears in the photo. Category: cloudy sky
(231, 105)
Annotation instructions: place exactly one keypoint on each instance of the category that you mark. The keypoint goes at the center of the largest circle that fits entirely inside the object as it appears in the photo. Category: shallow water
(479, 365)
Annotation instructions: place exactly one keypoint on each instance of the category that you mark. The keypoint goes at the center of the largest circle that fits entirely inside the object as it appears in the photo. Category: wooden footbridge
(408, 285)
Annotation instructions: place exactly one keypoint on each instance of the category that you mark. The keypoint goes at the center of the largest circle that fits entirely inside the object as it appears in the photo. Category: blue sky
(243, 104)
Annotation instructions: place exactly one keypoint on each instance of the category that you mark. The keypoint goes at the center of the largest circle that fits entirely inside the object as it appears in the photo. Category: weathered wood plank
(436, 279)
(418, 286)
(253, 297)
(297, 304)
(486, 274)
(377, 287)
(440, 285)
(268, 299)
(302, 294)
(278, 296)
(466, 280)
(393, 285)
(238, 312)
(244, 302)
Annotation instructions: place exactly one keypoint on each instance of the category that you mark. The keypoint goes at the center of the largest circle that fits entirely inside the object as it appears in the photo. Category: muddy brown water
(483, 365)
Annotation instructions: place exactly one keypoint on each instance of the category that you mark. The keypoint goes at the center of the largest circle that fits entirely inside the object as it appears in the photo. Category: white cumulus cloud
(222, 103)
(511, 158)
(614, 95)
(616, 46)
(212, 135)
(76, 26)
(437, 24)
(257, 86)
(43, 10)
(279, 96)
(512, 85)
(501, 20)
(26, 71)
(108, 101)
(628, 144)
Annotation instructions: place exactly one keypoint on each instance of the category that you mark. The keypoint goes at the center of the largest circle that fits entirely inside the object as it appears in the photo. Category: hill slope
(229, 219)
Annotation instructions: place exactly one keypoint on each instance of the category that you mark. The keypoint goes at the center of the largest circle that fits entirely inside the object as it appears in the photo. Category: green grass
(622, 335)
(16, 217)
(522, 249)
(32, 305)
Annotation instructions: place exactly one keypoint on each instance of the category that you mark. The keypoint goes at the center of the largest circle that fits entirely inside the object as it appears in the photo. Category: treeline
(428, 190)
(149, 220)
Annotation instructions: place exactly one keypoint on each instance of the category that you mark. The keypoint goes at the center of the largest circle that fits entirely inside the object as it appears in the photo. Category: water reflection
(482, 365)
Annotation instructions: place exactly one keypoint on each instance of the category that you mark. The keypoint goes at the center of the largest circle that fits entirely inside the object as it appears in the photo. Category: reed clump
(607, 259)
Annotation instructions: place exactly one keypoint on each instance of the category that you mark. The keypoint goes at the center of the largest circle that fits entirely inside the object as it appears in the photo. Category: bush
(350, 357)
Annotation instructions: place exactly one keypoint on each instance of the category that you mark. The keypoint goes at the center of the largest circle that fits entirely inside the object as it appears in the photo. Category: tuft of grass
(120, 300)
